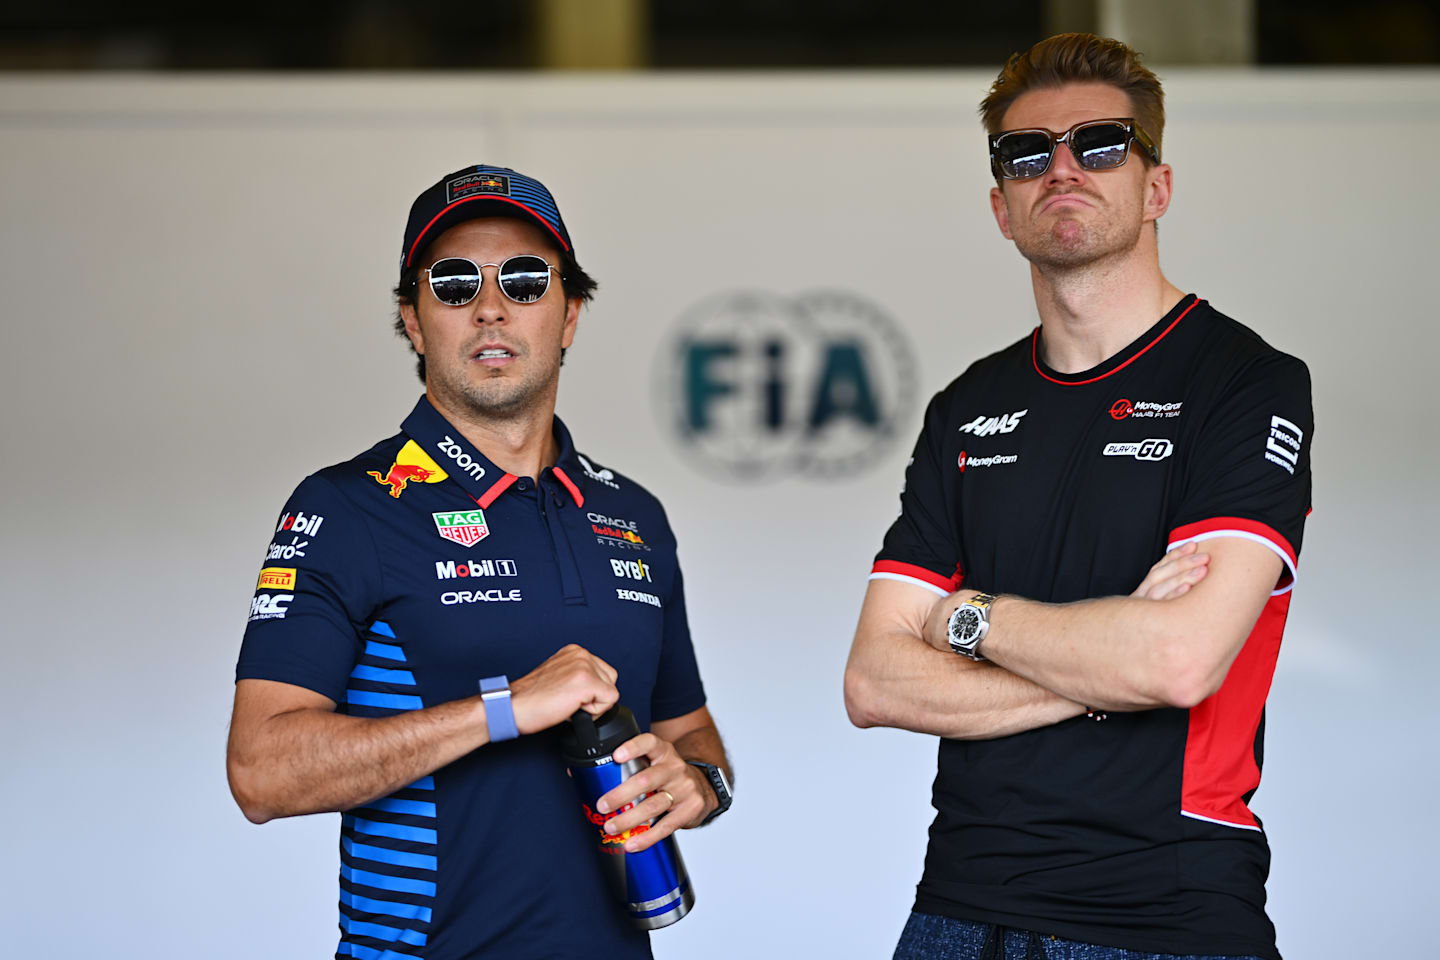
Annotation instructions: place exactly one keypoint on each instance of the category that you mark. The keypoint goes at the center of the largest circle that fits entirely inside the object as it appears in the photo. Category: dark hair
(1079, 58)
(574, 282)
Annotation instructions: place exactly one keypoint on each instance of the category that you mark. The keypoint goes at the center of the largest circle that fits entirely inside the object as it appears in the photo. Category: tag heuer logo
(465, 527)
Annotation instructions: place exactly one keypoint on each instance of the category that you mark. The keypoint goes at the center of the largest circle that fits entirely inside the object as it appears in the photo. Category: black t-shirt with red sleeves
(1133, 832)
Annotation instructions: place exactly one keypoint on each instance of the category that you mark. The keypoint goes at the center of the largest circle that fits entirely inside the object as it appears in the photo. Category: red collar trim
(570, 485)
(496, 488)
(1035, 357)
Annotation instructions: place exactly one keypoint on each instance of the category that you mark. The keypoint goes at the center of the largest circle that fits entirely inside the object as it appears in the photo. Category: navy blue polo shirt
(396, 581)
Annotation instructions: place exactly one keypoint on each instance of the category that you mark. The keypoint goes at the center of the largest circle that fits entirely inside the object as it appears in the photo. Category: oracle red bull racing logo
(615, 531)
(411, 465)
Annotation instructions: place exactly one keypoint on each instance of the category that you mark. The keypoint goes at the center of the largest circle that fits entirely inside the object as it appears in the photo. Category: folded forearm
(313, 761)
(898, 681)
(1109, 652)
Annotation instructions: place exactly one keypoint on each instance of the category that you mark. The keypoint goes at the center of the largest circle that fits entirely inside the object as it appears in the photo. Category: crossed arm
(1162, 646)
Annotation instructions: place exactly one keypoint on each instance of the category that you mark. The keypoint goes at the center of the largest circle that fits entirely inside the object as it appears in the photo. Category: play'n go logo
(758, 386)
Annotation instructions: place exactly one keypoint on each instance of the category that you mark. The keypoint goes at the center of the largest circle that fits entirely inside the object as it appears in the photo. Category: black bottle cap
(589, 738)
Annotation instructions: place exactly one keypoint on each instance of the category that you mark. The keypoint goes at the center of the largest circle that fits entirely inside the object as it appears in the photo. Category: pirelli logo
(276, 578)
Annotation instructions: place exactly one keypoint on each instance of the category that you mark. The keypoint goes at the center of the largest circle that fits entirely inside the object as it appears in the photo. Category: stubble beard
(1071, 244)
(494, 396)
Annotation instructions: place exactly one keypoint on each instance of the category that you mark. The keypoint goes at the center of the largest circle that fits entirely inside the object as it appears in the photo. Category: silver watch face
(965, 626)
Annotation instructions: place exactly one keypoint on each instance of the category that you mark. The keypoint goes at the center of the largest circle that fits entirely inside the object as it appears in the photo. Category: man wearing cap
(476, 550)
(1099, 750)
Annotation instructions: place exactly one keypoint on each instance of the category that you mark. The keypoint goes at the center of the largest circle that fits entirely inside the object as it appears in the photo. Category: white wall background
(196, 274)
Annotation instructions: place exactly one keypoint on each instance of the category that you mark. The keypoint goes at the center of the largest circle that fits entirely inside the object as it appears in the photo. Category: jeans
(928, 937)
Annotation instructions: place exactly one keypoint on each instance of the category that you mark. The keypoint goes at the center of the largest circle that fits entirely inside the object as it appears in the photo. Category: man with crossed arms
(1098, 748)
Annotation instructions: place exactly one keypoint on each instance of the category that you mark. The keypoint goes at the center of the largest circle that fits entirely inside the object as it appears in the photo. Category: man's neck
(1088, 314)
(523, 444)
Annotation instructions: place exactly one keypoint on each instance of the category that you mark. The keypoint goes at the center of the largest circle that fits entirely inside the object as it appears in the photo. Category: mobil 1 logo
(758, 386)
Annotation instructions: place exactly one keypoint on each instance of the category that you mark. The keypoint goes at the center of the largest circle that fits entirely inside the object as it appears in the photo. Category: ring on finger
(668, 794)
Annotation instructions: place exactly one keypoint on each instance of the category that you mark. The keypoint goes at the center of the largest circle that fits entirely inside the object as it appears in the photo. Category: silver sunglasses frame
(1136, 133)
(480, 272)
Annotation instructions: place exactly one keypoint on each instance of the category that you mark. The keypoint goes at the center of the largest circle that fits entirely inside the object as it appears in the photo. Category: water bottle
(653, 884)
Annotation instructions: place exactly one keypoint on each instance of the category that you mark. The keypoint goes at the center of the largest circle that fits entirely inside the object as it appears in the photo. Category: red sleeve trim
(570, 485)
(911, 573)
(496, 488)
(1217, 527)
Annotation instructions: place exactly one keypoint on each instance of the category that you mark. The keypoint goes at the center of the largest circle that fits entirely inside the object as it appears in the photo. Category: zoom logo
(1144, 450)
(462, 459)
(758, 386)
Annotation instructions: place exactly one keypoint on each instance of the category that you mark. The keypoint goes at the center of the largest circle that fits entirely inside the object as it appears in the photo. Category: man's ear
(1001, 212)
(1159, 183)
(572, 320)
(411, 316)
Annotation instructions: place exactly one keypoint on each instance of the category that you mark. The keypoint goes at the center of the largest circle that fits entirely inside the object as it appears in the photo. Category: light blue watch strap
(495, 692)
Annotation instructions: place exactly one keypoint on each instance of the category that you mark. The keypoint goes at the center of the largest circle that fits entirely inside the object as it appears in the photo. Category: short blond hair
(1078, 58)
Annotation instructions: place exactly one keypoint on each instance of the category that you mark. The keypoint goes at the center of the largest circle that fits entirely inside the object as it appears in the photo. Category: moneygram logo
(465, 527)
(1144, 450)
(758, 386)
(994, 460)
(1144, 410)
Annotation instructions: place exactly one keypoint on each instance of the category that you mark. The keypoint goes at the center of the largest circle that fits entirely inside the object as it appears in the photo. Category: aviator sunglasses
(1095, 145)
(455, 281)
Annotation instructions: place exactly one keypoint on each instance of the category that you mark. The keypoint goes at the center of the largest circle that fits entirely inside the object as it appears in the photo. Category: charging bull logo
(411, 464)
(617, 840)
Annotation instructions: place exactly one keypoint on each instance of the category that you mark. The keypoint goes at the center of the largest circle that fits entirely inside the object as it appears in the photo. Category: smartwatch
(499, 716)
(719, 784)
(969, 624)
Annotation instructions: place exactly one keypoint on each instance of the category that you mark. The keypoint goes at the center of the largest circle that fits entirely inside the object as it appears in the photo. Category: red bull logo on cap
(411, 464)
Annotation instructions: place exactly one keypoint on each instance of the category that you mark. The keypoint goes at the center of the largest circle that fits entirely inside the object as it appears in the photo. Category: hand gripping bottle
(652, 884)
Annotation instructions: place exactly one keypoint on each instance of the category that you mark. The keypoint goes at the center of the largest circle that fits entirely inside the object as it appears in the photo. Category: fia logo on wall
(759, 386)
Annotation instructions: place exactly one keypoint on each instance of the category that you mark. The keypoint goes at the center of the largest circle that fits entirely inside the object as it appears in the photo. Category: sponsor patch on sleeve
(276, 578)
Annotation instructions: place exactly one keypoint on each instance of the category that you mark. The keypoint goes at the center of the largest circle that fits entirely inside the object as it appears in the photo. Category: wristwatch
(499, 715)
(719, 784)
(969, 624)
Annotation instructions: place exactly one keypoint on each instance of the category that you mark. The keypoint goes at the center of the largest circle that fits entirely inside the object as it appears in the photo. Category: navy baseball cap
(480, 191)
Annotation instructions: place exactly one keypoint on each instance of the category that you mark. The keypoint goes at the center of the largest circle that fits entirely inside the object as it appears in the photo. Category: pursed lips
(1065, 198)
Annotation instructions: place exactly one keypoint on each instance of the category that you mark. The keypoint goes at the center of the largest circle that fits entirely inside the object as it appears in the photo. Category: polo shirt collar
(459, 459)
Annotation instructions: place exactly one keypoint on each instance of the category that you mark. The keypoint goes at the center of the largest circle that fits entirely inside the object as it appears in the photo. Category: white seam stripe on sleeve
(915, 580)
(1223, 823)
(1246, 535)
